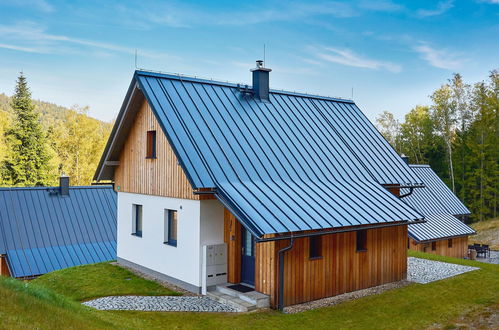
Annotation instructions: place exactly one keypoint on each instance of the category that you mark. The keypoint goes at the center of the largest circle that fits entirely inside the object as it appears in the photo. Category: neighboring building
(443, 233)
(280, 191)
(43, 229)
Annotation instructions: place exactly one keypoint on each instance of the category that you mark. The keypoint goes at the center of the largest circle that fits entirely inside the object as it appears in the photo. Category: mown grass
(412, 307)
(98, 280)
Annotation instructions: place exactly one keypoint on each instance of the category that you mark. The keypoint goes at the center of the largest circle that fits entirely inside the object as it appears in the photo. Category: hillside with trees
(458, 136)
(39, 141)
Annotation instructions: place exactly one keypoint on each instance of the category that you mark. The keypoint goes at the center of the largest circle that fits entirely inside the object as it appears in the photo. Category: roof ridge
(182, 77)
(56, 187)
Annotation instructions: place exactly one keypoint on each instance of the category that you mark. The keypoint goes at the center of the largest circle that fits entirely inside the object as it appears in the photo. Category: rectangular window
(361, 240)
(151, 144)
(433, 246)
(315, 250)
(171, 227)
(137, 220)
(449, 243)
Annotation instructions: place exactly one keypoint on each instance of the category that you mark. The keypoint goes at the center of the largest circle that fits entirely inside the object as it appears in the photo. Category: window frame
(151, 145)
(168, 220)
(361, 240)
(315, 247)
(434, 246)
(137, 220)
(449, 243)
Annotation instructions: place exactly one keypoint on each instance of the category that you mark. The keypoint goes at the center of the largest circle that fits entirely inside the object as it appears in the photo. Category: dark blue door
(248, 258)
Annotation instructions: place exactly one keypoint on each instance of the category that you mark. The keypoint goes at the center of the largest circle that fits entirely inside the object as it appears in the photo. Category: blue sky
(392, 53)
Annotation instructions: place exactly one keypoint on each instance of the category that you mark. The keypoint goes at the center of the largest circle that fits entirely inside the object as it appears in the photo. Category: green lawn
(99, 280)
(415, 306)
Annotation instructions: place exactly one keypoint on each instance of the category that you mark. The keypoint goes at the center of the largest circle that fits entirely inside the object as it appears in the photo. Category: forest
(39, 141)
(458, 136)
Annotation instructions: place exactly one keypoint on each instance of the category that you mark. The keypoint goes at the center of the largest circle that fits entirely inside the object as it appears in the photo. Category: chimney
(64, 185)
(261, 81)
(405, 158)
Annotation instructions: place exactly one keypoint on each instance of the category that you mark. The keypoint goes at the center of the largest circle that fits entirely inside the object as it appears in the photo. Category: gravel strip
(159, 304)
(331, 301)
(426, 271)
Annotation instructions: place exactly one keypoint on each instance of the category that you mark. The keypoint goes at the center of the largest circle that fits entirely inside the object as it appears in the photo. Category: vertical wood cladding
(4, 269)
(340, 269)
(162, 176)
(459, 247)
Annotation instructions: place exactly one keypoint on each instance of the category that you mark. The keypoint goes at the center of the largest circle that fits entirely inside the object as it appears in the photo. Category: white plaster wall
(182, 262)
(212, 222)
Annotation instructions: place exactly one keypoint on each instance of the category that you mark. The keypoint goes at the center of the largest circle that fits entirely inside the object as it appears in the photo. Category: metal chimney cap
(259, 67)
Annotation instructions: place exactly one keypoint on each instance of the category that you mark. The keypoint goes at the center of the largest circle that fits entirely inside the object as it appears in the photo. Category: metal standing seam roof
(436, 197)
(439, 226)
(287, 165)
(42, 231)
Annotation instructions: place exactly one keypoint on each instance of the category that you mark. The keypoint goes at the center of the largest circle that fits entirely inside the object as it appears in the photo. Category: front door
(247, 258)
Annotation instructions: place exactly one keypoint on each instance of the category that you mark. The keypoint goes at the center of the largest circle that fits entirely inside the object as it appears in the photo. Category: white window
(170, 235)
(137, 220)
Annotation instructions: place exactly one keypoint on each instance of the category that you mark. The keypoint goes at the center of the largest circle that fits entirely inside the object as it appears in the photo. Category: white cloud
(40, 5)
(349, 58)
(31, 38)
(441, 8)
(439, 58)
(380, 5)
(494, 2)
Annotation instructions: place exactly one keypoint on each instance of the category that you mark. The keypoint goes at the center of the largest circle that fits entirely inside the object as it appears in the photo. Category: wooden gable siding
(459, 247)
(341, 268)
(4, 269)
(162, 176)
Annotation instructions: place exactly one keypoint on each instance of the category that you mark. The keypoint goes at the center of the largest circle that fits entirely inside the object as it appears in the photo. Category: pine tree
(27, 161)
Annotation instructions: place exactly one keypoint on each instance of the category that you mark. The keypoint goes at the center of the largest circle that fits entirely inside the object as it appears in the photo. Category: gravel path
(426, 271)
(159, 304)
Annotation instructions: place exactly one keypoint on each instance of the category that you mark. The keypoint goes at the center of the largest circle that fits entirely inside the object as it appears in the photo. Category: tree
(444, 115)
(416, 134)
(27, 159)
(389, 128)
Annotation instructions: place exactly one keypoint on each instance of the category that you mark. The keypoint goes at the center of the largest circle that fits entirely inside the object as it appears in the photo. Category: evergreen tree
(27, 160)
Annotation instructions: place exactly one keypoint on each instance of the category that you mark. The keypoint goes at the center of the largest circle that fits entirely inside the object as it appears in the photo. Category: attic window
(151, 145)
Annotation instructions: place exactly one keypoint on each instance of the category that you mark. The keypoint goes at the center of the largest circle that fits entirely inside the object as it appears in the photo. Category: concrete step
(239, 304)
(258, 299)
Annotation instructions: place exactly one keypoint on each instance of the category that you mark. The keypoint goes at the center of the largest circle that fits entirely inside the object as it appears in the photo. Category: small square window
(361, 240)
(433, 246)
(137, 220)
(449, 243)
(170, 227)
(315, 250)
(151, 144)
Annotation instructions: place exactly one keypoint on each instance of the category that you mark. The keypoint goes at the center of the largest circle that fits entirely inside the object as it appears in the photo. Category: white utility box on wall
(214, 265)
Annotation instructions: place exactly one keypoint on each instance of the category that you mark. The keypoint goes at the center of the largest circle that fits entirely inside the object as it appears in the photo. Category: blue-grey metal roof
(42, 231)
(439, 226)
(435, 197)
(295, 163)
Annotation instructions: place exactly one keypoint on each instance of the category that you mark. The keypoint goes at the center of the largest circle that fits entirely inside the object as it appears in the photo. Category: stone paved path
(426, 271)
(159, 304)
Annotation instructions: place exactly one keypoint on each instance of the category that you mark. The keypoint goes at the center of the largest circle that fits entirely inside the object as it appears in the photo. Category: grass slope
(98, 280)
(487, 233)
(413, 307)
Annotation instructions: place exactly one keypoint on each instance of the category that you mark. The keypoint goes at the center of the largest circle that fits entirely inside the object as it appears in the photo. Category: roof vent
(64, 185)
(261, 81)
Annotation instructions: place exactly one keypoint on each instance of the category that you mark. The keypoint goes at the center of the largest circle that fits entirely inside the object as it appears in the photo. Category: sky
(389, 54)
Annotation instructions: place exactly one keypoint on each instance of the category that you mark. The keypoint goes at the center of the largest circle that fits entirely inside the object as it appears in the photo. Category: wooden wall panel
(4, 269)
(232, 237)
(459, 247)
(341, 268)
(162, 176)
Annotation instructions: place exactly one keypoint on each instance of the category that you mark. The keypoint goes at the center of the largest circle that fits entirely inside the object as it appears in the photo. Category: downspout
(280, 299)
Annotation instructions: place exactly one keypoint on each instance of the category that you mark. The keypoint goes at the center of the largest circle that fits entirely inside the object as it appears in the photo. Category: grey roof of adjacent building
(439, 226)
(42, 230)
(435, 197)
(298, 162)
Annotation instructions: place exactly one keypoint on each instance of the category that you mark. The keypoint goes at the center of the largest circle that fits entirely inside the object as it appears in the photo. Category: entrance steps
(242, 301)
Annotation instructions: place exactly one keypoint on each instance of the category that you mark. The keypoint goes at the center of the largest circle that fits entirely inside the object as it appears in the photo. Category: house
(43, 229)
(444, 232)
(285, 193)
